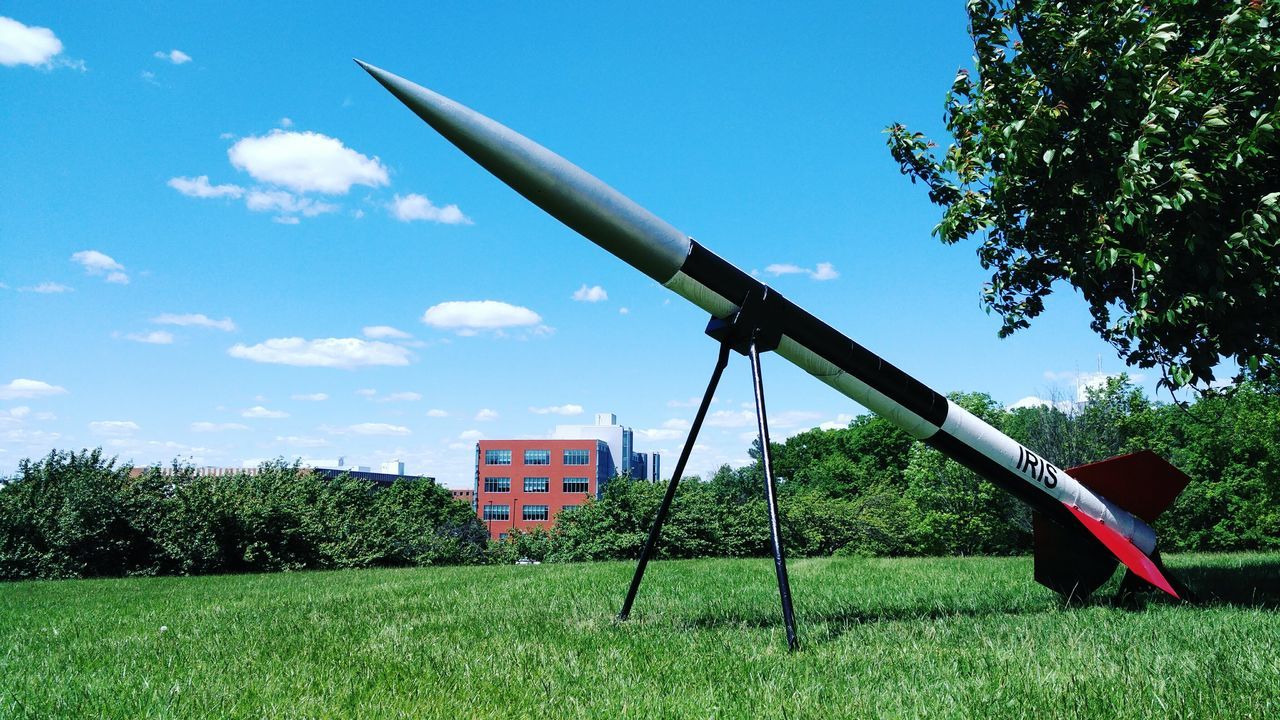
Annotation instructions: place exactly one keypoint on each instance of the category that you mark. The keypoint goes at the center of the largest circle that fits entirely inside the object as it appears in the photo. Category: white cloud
(208, 427)
(624, 311)
(287, 203)
(486, 415)
(286, 122)
(286, 220)
(1086, 381)
(199, 187)
(437, 413)
(113, 428)
(385, 332)
(96, 263)
(470, 435)
(155, 337)
(417, 207)
(656, 434)
(47, 288)
(569, 409)
(194, 320)
(470, 316)
(592, 294)
(25, 388)
(312, 397)
(383, 429)
(840, 423)
(747, 418)
(824, 271)
(306, 162)
(343, 353)
(401, 397)
(366, 392)
(19, 412)
(177, 57)
(26, 45)
(301, 441)
(257, 411)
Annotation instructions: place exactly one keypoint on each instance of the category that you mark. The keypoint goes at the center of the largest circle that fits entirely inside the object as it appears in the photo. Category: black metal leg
(771, 497)
(665, 507)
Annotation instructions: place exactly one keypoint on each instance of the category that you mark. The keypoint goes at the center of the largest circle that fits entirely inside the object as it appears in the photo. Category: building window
(536, 485)
(537, 457)
(567, 508)
(496, 485)
(497, 457)
(535, 512)
(577, 485)
(497, 512)
(502, 536)
(577, 457)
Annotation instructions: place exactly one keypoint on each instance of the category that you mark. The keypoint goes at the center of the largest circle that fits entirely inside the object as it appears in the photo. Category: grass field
(968, 638)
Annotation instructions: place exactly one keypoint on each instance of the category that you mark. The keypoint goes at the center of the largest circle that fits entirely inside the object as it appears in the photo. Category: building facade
(524, 484)
(623, 458)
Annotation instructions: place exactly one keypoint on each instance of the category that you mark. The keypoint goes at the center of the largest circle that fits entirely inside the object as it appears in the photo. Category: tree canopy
(1129, 149)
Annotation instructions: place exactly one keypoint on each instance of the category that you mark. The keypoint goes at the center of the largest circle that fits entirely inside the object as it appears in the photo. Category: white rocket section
(700, 295)
(1003, 450)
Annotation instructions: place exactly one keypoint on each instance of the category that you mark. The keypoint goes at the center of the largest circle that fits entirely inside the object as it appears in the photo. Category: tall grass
(966, 638)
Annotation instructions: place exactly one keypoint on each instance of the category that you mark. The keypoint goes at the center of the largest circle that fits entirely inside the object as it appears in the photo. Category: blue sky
(222, 242)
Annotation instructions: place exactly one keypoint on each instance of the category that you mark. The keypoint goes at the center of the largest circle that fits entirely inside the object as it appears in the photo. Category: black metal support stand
(665, 507)
(750, 333)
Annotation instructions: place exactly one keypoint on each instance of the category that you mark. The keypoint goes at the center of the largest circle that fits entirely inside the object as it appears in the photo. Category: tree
(1131, 150)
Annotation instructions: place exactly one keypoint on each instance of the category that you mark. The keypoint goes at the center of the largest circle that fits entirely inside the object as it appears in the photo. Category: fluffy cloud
(301, 441)
(194, 320)
(437, 413)
(306, 162)
(113, 428)
(841, 422)
(401, 397)
(257, 411)
(287, 203)
(96, 263)
(47, 288)
(486, 415)
(1086, 381)
(26, 45)
(209, 427)
(470, 435)
(469, 316)
(569, 409)
(383, 429)
(177, 57)
(385, 332)
(156, 337)
(592, 294)
(823, 271)
(343, 353)
(417, 207)
(199, 187)
(25, 388)
(312, 397)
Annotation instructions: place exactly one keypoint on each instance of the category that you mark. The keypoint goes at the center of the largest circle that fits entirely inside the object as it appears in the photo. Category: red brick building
(523, 484)
(467, 496)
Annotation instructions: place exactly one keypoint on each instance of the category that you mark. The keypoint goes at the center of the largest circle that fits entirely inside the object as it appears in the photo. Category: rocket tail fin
(1075, 563)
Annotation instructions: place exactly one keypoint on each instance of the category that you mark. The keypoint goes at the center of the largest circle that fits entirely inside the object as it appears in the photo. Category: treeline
(78, 514)
(869, 489)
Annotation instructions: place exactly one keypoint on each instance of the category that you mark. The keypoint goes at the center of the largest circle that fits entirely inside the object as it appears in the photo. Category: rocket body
(679, 263)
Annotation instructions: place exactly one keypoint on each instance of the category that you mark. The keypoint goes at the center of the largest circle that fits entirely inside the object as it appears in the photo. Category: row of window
(537, 457)
(528, 512)
(536, 485)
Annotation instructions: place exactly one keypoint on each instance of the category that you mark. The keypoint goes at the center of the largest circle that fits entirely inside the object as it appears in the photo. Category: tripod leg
(665, 507)
(771, 497)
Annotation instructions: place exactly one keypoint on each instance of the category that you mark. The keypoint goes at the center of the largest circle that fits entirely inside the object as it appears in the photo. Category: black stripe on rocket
(819, 338)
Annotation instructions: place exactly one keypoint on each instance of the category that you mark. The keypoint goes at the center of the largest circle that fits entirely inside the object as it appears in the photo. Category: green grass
(968, 638)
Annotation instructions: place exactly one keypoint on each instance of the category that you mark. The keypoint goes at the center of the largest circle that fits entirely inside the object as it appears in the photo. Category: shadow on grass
(1249, 584)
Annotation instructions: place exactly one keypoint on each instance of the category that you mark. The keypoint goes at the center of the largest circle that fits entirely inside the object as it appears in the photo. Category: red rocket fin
(1142, 483)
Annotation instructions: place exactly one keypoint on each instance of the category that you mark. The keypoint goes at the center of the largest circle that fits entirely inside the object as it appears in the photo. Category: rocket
(1085, 518)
